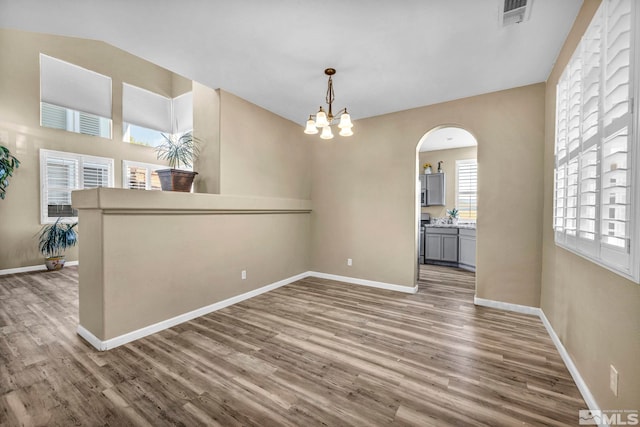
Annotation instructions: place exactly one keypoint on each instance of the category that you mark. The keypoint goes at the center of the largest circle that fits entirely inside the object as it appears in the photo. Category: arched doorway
(446, 203)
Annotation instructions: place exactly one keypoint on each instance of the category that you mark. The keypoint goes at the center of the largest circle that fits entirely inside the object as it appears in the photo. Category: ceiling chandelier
(323, 120)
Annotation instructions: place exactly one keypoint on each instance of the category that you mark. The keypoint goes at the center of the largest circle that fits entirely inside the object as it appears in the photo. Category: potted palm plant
(8, 163)
(453, 215)
(178, 150)
(54, 239)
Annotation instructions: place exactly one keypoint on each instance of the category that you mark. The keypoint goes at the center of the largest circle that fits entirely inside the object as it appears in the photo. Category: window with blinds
(73, 98)
(61, 173)
(467, 190)
(593, 214)
(147, 115)
(53, 116)
(141, 176)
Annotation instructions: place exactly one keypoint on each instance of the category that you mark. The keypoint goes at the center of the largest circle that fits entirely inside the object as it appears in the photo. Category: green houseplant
(178, 150)
(453, 215)
(8, 163)
(54, 239)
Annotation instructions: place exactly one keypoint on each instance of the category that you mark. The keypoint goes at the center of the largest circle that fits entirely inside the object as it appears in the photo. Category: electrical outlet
(613, 380)
(349, 261)
(243, 275)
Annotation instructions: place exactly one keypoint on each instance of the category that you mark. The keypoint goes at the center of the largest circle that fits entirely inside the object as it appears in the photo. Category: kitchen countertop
(465, 226)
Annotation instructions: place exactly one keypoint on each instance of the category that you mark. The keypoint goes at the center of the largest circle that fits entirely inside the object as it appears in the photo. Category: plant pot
(176, 179)
(54, 263)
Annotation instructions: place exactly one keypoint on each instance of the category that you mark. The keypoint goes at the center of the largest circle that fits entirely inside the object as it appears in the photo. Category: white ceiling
(389, 55)
(446, 138)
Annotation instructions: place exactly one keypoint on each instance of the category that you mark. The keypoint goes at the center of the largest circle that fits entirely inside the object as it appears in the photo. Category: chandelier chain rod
(330, 95)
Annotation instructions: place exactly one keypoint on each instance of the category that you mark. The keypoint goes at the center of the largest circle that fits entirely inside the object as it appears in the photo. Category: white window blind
(593, 211)
(141, 176)
(467, 189)
(145, 108)
(61, 173)
(152, 111)
(183, 113)
(70, 86)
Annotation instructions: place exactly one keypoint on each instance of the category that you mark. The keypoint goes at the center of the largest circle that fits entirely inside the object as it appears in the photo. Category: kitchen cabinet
(441, 245)
(435, 189)
(467, 249)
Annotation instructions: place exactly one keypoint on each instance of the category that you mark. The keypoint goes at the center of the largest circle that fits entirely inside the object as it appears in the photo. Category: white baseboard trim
(571, 367)
(573, 370)
(31, 268)
(364, 282)
(165, 324)
(524, 309)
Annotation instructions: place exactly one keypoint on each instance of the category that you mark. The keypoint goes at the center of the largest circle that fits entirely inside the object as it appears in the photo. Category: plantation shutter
(467, 189)
(61, 173)
(89, 125)
(615, 147)
(136, 178)
(155, 181)
(61, 179)
(141, 176)
(95, 175)
(53, 116)
(594, 142)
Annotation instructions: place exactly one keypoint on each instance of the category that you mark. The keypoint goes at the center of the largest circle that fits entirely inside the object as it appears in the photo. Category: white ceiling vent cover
(514, 11)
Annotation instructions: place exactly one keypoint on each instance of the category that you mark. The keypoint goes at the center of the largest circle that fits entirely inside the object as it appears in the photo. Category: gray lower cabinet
(467, 249)
(441, 244)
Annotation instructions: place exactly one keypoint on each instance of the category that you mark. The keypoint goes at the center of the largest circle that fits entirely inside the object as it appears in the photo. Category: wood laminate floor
(316, 352)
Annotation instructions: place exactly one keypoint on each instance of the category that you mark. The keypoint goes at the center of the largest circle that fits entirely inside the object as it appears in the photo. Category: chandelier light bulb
(326, 133)
(345, 121)
(311, 128)
(346, 132)
(321, 119)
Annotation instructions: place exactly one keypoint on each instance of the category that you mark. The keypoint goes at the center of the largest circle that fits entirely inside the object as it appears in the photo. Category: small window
(57, 117)
(467, 190)
(141, 176)
(147, 115)
(74, 99)
(141, 135)
(61, 173)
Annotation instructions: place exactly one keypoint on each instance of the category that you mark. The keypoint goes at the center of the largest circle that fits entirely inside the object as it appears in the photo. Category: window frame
(81, 159)
(459, 163)
(623, 261)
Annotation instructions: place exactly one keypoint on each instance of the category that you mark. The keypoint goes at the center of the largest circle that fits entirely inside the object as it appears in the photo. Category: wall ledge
(120, 200)
(27, 269)
(564, 354)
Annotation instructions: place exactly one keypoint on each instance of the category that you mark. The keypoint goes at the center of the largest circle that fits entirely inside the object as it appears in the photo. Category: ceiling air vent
(514, 11)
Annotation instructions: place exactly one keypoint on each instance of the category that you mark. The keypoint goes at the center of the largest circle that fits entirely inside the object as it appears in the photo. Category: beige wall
(364, 193)
(595, 312)
(261, 153)
(20, 127)
(206, 124)
(449, 158)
